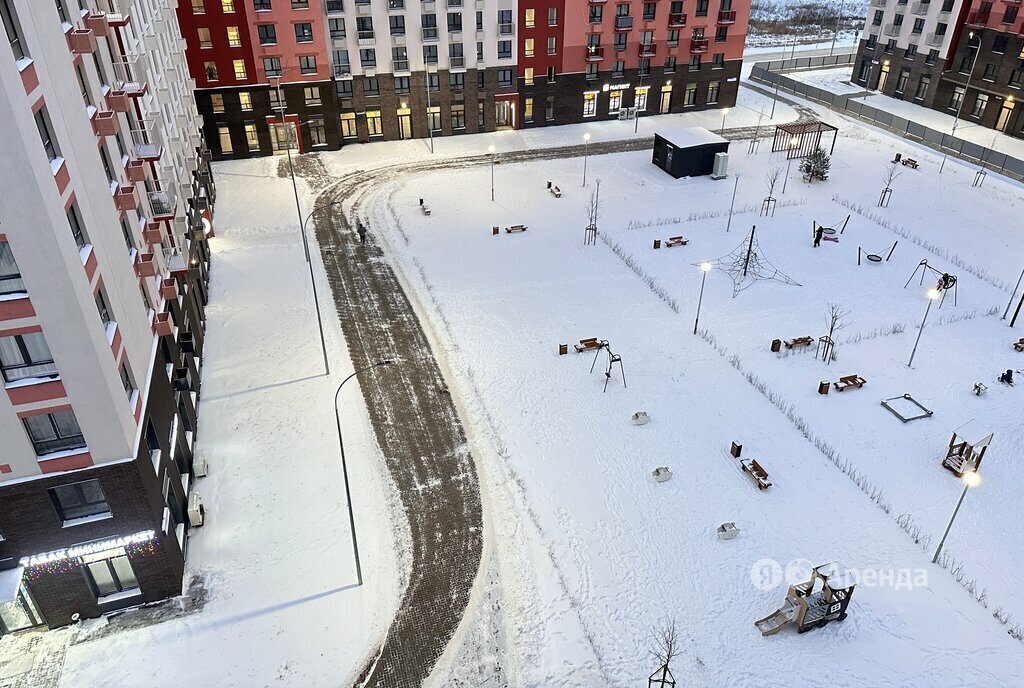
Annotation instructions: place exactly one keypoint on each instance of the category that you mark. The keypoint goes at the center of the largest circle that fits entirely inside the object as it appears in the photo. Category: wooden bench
(425, 208)
(849, 381)
(759, 475)
(515, 228)
(555, 191)
(588, 344)
(799, 341)
(1019, 344)
(909, 162)
(676, 241)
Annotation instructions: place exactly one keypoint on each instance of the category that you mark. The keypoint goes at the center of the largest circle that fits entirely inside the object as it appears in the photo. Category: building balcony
(396, 5)
(176, 261)
(135, 170)
(595, 53)
(506, 29)
(726, 17)
(105, 123)
(117, 100)
(920, 8)
(891, 30)
(145, 265)
(45, 369)
(82, 41)
(677, 20)
(163, 326)
(647, 49)
(934, 40)
(343, 71)
(400, 66)
(457, 62)
(698, 46)
(147, 144)
(429, 33)
(162, 204)
(978, 19)
(153, 235)
(126, 198)
(169, 289)
(624, 23)
(128, 78)
(97, 22)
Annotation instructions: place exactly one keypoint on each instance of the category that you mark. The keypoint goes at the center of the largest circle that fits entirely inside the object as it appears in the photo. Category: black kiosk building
(687, 151)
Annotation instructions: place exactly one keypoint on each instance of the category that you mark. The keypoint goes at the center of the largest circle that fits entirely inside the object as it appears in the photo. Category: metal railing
(29, 370)
(771, 74)
(146, 142)
(934, 39)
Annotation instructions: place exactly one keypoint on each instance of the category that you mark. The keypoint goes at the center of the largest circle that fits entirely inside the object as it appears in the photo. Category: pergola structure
(800, 139)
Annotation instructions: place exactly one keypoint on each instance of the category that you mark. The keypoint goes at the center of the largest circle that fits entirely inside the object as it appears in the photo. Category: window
(479, 21)
(304, 33)
(528, 47)
(234, 37)
(272, 66)
(922, 87)
(343, 88)
(267, 34)
(430, 54)
(77, 230)
(127, 381)
(1011, 15)
(966, 63)
(718, 61)
(876, 20)
(261, 5)
(198, 7)
(456, 81)
(619, 42)
(694, 63)
(46, 134)
(551, 75)
(224, 136)
(504, 77)
(245, 100)
(371, 86)
(252, 139)
(480, 79)
(721, 34)
(505, 22)
(102, 308)
(401, 84)
(713, 89)
(227, 5)
(918, 26)
(643, 67)
(480, 109)
(307, 64)
(591, 74)
(911, 52)
(1016, 78)
(614, 102)
(337, 27)
(932, 58)
(549, 108)
(596, 14)
(673, 37)
(590, 104)
(317, 131)
(210, 68)
(649, 11)
(455, 21)
(311, 94)
(702, 8)
(528, 76)
(54, 432)
(618, 68)
(25, 356)
(396, 23)
(83, 86)
(670, 64)
(552, 16)
(999, 43)
(300, 4)
(433, 82)
(428, 25)
(277, 101)
(373, 124)
(479, 51)
(111, 575)
(552, 45)
(368, 57)
(504, 50)
(458, 116)
(434, 118)
(239, 67)
(872, 41)
(400, 59)
(79, 500)
(640, 98)
(205, 40)
(902, 81)
(10, 275)
(348, 125)
(528, 109)
(529, 18)
(979, 105)
(690, 95)
(989, 74)
(957, 99)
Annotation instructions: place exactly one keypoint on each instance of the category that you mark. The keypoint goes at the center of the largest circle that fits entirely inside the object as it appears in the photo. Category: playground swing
(945, 282)
(876, 257)
(831, 230)
(613, 358)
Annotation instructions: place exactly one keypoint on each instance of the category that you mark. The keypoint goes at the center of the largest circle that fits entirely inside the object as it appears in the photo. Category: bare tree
(593, 207)
(665, 644)
(835, 318)
(892, 171)
(771, 180)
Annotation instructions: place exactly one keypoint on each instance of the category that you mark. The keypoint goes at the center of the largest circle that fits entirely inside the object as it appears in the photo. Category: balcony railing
(430, 33)
(343, 71)
(457, 62)
(920, 8)
(506, 29)
(677, 20)
(396, 5)
(891, 30)
(12, 285)
(147, 144)
(365, 35)
(698, 46)
(400, 65)
(162, 204)
(335, 6)
(623, 23)
(726, 17)
(595, 53)
(934, 40)
(175, 260)
(648, 49)
(23, 372)
(455, 3)
(128, 78)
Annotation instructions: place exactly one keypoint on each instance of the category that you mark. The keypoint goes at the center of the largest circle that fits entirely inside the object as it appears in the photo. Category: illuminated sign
(615, 87)
(86, 549)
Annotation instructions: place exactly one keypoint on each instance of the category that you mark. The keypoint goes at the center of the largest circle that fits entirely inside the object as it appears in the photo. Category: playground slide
(774, 622)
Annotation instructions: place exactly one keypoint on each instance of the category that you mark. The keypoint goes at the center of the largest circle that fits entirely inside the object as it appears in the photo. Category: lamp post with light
(932, 295)
(967, 87)
(586, 144)
(490, 149)
(705, 268)
(970, 479)
(789, 161)
(725, 111)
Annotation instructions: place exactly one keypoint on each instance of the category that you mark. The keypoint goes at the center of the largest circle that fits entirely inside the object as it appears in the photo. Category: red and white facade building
(106, 207)
(325, 73)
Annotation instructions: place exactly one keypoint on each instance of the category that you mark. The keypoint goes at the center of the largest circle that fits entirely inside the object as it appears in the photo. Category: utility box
(776, 346)
(721, 168)
(823, 387)
(687, 151)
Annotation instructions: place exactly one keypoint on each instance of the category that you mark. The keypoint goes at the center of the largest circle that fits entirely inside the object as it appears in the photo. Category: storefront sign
(615, 87)
(89, 548)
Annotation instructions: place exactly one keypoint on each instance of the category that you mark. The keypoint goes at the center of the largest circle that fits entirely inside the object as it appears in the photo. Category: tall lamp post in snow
(839, 19)
(430, 123)
(586, 144)
(725, 111)
(789, 160)
(970, 479)
(932, 295)
(967, 87)
(705, 268)
(490, 149)
(344, 465)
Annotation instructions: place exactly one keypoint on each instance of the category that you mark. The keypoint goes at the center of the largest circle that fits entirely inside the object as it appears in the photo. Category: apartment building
(962, 57)
(105, 209)
(324, 73)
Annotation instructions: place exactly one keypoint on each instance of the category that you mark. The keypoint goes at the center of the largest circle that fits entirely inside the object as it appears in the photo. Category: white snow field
(561, 459)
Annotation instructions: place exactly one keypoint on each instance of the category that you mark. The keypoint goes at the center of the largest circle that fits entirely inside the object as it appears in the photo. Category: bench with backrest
(425, 208)
(1019, 344)
(849, 381)
(588, 344)
(909, 162)
(758, 474)
(555, 191)
(515, 228)
(676, 241)
(799, 341)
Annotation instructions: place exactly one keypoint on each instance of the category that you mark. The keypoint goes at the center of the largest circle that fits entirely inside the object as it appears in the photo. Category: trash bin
(776, 346)
(823, 387)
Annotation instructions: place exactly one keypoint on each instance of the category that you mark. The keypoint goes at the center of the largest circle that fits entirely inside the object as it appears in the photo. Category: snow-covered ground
(630, 552)
(833, 80)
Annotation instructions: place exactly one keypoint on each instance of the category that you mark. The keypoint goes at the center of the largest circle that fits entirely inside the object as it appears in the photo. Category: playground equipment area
(814, 603)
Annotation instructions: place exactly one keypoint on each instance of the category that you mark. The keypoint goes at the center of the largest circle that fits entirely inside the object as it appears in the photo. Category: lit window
(239, 67)
(589, 104)
(210, 68)
(205, 40)
(224, 134)
(228, 5)
(528, 76)
(245, 100)
(217, 101)
(234, 38)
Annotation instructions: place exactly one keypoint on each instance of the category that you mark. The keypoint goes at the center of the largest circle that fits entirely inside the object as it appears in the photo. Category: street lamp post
(636, 119)
(735, 186)
(586, 144)
(291, 170)
(967, 87)
(316, 300)
(430, 124)
(932, 295)
(344, 465)
(725, 111)
(705, 268)
(789, 161)
(839, 19)
(490, 149)
(970, 479)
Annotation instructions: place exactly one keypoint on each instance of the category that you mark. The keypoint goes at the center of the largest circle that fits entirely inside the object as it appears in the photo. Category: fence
(771, 74)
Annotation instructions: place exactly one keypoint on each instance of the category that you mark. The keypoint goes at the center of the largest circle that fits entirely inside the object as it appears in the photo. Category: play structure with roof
(814, 603)
(800, 139)
(967, 448)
